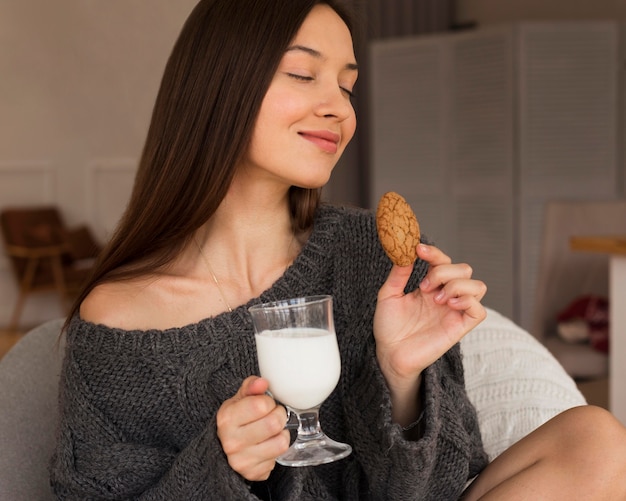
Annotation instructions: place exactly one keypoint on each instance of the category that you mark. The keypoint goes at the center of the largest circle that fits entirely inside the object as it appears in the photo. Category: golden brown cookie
(398, 229)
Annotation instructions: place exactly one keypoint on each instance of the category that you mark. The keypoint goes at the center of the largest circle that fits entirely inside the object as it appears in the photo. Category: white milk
(301, 364)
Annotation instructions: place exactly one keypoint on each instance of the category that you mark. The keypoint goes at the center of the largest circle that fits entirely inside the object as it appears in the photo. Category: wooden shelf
(606, 244)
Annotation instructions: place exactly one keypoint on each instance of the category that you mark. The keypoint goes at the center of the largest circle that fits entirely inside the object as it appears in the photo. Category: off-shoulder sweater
(138, 408)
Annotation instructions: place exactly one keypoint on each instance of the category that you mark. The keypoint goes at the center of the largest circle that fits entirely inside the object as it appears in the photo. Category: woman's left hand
(414, 330)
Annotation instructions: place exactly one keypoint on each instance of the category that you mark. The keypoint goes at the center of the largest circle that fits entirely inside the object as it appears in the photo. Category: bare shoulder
(161, 301)
(124, 304)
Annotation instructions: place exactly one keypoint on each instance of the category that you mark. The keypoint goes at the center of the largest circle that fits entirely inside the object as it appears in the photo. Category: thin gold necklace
(217, 282)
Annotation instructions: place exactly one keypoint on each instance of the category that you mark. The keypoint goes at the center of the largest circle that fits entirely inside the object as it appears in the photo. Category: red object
(594, 311)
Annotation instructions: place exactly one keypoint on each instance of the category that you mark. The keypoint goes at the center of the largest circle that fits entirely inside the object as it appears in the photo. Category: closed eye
(348, 92)
(300, 77)
(305, 78)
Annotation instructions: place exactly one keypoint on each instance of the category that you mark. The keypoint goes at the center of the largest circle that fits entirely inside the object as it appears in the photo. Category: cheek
(349, 128)
(281, 108)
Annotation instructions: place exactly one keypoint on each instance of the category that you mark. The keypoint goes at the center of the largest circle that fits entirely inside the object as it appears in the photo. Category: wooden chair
(44, 254)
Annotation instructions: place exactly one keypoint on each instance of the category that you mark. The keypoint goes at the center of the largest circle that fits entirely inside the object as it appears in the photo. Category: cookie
(398, 229)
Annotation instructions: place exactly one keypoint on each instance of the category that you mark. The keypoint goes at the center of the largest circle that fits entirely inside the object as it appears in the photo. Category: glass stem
(309, 424)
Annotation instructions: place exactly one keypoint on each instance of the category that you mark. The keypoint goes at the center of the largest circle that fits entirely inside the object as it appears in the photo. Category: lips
(325, 140)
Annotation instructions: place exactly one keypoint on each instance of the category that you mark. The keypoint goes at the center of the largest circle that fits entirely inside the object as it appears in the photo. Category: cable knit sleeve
(115, 440)
(438, 465)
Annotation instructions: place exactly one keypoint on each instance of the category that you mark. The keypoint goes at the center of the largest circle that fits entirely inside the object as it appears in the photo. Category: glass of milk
(298, 354)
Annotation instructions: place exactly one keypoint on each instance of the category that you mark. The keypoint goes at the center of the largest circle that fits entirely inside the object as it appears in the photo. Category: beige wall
(506, 11)
(77, 82)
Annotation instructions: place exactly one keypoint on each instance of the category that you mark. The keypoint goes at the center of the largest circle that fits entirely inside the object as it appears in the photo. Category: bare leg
(579, 454)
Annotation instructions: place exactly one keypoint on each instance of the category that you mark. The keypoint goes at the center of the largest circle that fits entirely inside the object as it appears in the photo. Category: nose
(334, 103)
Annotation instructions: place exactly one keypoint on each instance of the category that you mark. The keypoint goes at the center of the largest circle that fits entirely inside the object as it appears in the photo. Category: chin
(314, 182)
(313, 185)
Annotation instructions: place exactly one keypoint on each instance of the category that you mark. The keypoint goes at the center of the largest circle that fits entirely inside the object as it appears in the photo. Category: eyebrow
(318, 54)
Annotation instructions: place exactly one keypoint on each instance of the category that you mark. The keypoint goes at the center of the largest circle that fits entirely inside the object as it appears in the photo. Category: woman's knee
(591, 423)
(582, 450)
(594, 438)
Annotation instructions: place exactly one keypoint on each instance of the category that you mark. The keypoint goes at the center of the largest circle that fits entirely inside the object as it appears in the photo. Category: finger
(238, 412)
(252, 385)
(441, 275)
(256, 442)
(257, 386)
(257, 462)
(252, 472)
(271, 425)
(473, 310)
(396, 282)
(458, 288)
(432, 255)
(256, 473)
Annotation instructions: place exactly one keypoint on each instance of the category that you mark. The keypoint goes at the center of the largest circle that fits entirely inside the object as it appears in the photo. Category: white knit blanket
(513, 381)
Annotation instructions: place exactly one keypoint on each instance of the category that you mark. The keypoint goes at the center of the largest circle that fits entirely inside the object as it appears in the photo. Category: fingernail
(425, 283)
(439, 296)
(423, 248)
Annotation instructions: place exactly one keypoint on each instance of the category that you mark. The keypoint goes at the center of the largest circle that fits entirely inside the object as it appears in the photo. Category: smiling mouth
(326, 141)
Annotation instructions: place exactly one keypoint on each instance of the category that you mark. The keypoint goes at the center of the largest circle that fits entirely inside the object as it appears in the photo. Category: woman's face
(306, 118)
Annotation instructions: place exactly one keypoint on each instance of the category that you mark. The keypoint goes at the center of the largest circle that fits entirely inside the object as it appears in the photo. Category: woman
(159, 398)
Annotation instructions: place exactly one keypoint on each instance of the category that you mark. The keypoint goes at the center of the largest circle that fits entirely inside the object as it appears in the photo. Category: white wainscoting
(27, 183)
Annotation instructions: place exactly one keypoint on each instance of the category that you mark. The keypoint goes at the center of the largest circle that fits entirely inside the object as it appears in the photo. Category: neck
(251, 225)
(248, 246)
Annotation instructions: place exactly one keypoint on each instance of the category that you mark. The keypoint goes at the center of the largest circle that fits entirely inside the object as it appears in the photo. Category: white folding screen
(568, 127)
(481, 159)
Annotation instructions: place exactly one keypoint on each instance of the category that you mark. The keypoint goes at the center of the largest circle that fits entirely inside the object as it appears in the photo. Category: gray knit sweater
(138, 407)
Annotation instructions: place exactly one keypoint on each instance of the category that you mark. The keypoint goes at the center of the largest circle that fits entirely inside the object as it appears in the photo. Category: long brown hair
(212, 88)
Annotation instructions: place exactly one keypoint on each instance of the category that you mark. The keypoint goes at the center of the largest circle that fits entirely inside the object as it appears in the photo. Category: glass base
(313, 451)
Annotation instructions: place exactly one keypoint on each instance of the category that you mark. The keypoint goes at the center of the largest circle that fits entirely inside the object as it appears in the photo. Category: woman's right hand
(251, 428)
